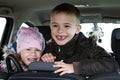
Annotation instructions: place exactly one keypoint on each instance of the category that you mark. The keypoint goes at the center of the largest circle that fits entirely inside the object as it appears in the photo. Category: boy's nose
(60, 29)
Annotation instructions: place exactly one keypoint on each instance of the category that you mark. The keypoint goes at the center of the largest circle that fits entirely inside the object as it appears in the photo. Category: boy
(71, 51)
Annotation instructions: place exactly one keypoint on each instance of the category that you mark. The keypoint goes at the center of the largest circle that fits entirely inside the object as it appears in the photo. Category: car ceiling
(95, 9)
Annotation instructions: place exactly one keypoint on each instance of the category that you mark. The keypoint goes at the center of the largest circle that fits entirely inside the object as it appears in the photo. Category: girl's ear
(78, 28)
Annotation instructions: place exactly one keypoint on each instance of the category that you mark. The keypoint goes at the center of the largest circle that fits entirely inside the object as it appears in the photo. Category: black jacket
(87, 57)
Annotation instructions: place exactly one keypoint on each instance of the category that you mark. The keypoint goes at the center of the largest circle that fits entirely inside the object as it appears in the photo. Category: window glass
(24, 25)
(27, 24)
(107, 28)
(2, 26)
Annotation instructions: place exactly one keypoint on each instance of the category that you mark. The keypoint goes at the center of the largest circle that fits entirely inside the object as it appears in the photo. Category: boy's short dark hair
(68, 9)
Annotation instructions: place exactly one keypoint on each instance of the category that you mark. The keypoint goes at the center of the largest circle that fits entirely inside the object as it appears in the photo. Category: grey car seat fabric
(44, 76)
(45, 30)
(4, 76)
(106, 76)
(41, 66)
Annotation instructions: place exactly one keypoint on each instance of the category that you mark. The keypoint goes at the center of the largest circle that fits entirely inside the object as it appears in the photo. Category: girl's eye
(28, 49)
(37, 50)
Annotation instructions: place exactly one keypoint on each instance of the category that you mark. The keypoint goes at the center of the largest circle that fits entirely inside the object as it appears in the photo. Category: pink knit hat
(30, 37)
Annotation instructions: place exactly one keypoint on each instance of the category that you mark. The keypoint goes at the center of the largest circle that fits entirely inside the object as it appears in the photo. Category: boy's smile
(61, 37)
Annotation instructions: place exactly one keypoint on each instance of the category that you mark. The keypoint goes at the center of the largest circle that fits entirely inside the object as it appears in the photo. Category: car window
(107, 28)
(24, 25)
(2, 26)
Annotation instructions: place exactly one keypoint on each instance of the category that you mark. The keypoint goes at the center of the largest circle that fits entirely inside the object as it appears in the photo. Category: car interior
(99, 17)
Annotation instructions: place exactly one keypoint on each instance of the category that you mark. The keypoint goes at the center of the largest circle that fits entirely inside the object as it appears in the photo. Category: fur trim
(6, 51)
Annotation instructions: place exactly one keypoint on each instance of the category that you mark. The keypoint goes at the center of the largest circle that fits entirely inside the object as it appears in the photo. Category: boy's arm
(101, 63)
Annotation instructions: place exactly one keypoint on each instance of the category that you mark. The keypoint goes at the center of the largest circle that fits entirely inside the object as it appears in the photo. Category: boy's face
(30, 55)
(63, 27)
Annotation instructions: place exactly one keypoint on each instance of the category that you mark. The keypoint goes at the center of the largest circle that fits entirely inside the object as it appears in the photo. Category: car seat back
(44, 76)
(106, 76)
(45, 30)
(115, 44)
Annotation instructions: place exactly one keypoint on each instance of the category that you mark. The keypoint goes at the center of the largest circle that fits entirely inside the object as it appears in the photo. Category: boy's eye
(54, 25)
(67, 26)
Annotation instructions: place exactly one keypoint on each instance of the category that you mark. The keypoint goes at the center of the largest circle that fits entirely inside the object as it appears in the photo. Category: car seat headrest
(118, 35)
(41, 66)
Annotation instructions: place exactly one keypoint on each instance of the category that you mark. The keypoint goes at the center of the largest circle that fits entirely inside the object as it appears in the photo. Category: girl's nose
(33, 53)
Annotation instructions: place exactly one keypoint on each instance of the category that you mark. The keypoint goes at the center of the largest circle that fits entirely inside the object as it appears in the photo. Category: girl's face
(30, 55)
(63, 27)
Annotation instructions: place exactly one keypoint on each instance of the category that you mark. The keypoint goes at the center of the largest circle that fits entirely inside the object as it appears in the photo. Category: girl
(30, 45)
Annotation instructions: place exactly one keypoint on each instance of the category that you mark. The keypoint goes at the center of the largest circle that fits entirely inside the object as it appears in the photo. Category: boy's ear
(78, 29)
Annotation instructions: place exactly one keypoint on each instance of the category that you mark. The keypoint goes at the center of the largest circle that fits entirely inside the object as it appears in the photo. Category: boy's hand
(48, 57)
(63, 68)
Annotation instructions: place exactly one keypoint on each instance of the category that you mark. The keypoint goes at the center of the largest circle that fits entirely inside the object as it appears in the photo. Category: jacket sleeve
(99, 62)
